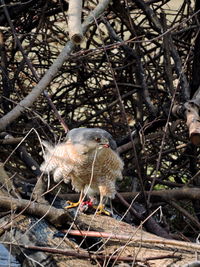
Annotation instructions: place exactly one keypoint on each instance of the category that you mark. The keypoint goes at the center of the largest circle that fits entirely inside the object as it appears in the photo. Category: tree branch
(74, 21)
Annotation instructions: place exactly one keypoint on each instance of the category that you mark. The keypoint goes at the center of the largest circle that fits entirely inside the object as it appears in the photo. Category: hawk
(88, 159)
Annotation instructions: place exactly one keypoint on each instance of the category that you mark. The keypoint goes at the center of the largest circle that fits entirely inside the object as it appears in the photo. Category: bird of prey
(88, 159)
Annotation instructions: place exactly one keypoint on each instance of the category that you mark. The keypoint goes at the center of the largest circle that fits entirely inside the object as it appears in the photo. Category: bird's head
(90, 139)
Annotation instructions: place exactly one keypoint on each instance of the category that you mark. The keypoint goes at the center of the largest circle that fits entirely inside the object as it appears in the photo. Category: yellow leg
(74, 204)
(100, 208)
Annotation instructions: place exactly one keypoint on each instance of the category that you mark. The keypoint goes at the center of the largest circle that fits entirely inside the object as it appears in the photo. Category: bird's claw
(101, 210)
(72, 204)
(84, 205)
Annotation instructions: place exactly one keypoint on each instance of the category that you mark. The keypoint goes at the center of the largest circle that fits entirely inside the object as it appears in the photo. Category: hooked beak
(106, 145)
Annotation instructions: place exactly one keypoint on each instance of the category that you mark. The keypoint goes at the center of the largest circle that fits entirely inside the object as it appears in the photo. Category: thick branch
(55, 216)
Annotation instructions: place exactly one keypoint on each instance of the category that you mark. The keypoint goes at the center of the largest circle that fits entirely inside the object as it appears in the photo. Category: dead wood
(134, 241)
(120, 242)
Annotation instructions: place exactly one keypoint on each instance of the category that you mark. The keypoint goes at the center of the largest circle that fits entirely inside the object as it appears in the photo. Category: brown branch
(140, 69)
(195, 81)
(82, 255)
(28, 160)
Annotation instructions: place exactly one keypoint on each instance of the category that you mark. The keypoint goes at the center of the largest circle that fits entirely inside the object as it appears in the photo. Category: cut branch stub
(193, 122)
(74, 21)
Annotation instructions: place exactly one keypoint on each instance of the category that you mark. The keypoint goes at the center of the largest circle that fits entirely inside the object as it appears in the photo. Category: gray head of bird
(90, 139)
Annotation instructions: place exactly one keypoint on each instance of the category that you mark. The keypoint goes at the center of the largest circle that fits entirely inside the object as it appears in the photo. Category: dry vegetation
(136, 75)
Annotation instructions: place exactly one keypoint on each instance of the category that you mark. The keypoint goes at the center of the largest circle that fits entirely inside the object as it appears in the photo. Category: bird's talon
(100, 210)
(103, 212)
(72, 204)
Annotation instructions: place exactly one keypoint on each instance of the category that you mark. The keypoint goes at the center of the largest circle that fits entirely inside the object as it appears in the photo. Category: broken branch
(74, 21)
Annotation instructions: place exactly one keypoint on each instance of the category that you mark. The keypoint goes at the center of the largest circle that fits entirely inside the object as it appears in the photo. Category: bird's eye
(98, 140)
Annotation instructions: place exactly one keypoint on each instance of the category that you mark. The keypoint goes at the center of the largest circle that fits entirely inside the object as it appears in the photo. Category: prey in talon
(88, 159)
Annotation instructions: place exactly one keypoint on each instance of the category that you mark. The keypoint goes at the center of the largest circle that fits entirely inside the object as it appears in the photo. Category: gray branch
(74, 21)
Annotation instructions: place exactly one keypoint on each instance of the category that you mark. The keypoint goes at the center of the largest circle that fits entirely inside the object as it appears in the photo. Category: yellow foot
(72, 204)
(100, 209)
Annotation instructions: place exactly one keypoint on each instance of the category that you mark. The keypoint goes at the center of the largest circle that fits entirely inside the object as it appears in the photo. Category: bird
(89, 160)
